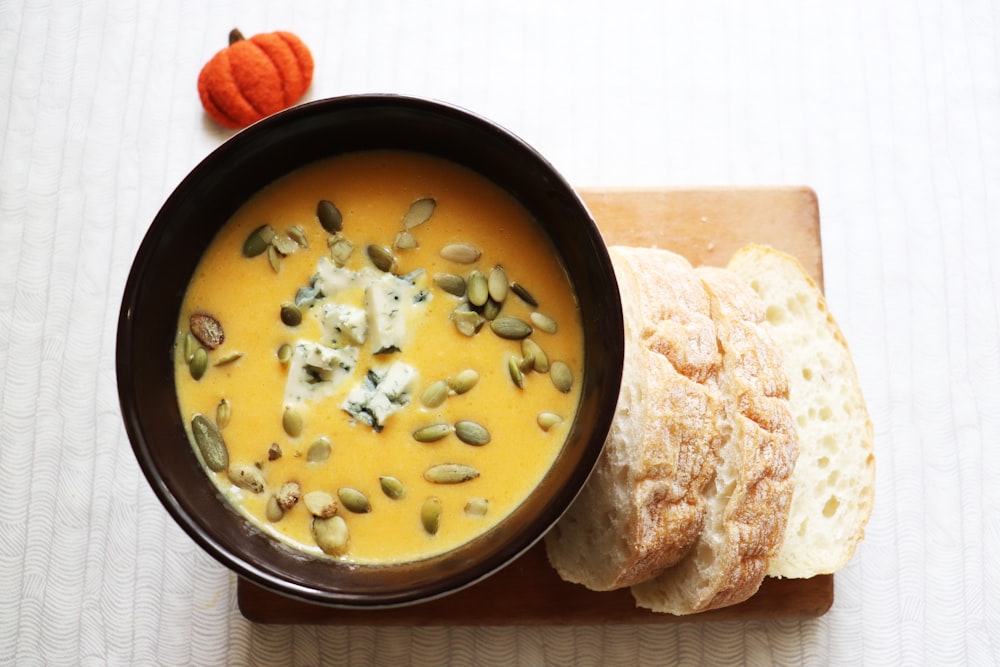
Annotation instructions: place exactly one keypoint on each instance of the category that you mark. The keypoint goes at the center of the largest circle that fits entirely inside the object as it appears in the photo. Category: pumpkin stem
(234, 36)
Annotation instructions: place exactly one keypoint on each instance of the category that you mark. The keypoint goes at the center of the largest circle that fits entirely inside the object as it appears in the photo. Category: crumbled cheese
(316, 370)
(382, 392)
(342, 321)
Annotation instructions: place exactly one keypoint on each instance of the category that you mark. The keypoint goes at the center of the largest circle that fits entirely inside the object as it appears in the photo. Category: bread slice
(642, 508)
(748, 498)
(835, 475)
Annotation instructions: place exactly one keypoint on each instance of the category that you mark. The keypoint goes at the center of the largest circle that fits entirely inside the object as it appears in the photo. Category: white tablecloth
(889, 110)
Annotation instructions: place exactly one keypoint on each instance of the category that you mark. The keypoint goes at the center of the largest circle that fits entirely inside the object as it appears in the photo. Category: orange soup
(379, 357)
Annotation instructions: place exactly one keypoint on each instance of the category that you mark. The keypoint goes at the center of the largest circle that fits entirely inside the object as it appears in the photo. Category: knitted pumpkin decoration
(253, 78)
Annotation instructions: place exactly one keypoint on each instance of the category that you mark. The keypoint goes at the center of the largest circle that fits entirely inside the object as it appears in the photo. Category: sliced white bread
(642, 508)
(748, 497)
(835, 474)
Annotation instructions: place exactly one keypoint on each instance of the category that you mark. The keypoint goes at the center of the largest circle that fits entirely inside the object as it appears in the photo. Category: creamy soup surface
(341, 381)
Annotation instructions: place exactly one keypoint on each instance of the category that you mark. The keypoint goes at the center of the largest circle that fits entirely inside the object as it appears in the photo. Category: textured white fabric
(890, 110)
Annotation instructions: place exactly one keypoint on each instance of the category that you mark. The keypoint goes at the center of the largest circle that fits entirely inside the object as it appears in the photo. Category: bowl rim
(142, 445)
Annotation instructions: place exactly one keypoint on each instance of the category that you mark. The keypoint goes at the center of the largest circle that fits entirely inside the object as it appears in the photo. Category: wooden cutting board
(707, 226)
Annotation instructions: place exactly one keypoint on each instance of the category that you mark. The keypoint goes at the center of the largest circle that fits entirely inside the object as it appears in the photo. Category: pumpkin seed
(223, 412)
(472, 433)
(477, 506)
(468, 322)
(274, 258)
(544, 322)
(547, 420)
(331, 534)
(562, 376)
(190, 345)
(285, 353)
(212, 447)
(285, 245)
(291, 421)
(405, 241)
(228, 358)
(477, 288)
(498, 284)
(527, 362)
(247, 477)
(450, 473)
(381, 258)
(514, 370)
(199, 363)
(451, 283)
(320, 503)
(258, 241)
(464, 381)
(419, 213)
(341, 249)
(524, 294)
(288, 495)
(461, 253)
(354, 500)
(319, 450)
(273, 511)
(329, 216)
(430, 515)
(541, 360)
(431, 432)
(491, 310)
(274, 452)
(435, 394)
(297, 234)
(290, 314)
(207, 330)
(392, 487)
(510, 328)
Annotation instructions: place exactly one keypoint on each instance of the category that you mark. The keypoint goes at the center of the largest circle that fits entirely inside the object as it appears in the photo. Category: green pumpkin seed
(319, 450)
(381, 258)
(514, 370)
(451, 283)
(297, 234)
(288, 495)
(392, 487)
(450, 473)
(472, 433)
(435, 394)
(405, 241)
(491, 309)
(530, 348)
(477, 288)
(544, 322)
(510, 328)
(498, 284)
(329, 216)
(341, 249)
(468, 322)
(430, 515)
(464, 381)
(562, 376)
(526, 363)
(199, 363)
(419, 213)
(228, 358)
(431, 432)
(207, 330)
(274, 258)
(223, 412)
(546, 420)
(354, 500)
(320, 503)
(212, 447)
(524, 294)
(258, 241)
(247, 477)
(284, 353)
(477, 506)
(331, 534)
(461, 253)
(291, 421)
(290, 314)
(273, 511)
(190, 345)
(285, 245)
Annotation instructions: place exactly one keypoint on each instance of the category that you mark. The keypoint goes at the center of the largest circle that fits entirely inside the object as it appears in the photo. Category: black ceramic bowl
(186, 224)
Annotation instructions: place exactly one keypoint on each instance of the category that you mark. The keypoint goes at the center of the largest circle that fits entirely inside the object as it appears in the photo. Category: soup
(379, 357)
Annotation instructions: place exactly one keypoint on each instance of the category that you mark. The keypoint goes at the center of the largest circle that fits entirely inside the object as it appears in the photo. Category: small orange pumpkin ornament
(253, 78)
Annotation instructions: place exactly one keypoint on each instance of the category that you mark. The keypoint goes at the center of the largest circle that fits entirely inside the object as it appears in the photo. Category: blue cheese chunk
(382, 392)
(343, 322)
(387, 300)
(316, 370)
